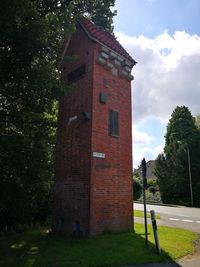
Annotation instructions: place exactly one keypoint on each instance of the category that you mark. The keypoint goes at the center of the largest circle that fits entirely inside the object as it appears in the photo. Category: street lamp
(189, 170)
(190, 174)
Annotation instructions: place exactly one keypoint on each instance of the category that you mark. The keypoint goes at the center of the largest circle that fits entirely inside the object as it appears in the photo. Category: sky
(163, 36)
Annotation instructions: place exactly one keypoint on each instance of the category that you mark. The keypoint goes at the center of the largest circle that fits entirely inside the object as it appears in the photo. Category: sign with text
(72, 119)
(98, 155)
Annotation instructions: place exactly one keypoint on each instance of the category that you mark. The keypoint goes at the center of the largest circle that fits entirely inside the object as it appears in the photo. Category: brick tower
(93, 170)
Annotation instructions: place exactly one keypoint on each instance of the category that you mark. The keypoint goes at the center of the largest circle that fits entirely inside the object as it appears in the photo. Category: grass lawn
(37, 248)
(139, 213)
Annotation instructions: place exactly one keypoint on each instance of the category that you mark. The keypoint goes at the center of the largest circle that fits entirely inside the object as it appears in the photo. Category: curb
(155, 203)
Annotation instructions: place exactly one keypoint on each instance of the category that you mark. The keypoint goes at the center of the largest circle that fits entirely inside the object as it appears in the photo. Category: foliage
(38, 248)
(156, 197)
(102, 15)
(137, 188)
(171, 167)
(136, 173)
(152, 185)
(32, 34)
(153, 191)
(139, 213)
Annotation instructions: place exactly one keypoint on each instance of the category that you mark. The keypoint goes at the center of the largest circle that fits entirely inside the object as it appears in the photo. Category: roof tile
(104, 37)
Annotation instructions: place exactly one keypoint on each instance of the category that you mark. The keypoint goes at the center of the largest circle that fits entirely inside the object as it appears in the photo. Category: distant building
(93, 170)
(150, 170)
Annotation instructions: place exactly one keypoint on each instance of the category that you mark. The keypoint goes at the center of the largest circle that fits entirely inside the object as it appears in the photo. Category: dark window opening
(113, 123)
(103, 98)
(61, 224)
(76, 74)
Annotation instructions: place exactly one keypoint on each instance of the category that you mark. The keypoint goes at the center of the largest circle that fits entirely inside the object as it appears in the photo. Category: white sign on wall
(72, 119)
(98, 155)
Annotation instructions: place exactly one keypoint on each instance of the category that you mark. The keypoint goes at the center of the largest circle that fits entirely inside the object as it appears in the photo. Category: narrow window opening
(61, 224)
(77, 229)
(76, 74)
(113, 123)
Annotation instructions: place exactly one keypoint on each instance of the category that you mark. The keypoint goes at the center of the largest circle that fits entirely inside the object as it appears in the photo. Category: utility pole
(190, 174)
(189, 170)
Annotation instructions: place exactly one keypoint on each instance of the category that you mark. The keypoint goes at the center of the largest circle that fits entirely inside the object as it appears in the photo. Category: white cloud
(141, 137)
(167, 73)
(148, 153)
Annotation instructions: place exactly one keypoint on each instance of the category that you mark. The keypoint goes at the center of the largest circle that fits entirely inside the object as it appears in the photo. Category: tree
(32, 34)
(171, 168)
(102, 15)
(137, 187)
(152, 185)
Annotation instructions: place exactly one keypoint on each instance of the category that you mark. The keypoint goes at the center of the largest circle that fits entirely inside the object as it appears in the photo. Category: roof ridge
(104, 37)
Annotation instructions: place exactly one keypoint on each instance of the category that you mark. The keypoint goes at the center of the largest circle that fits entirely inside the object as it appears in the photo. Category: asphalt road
(176, 216)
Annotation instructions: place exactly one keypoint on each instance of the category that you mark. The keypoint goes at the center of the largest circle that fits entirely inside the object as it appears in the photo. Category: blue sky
(152, 17)
(163, 36)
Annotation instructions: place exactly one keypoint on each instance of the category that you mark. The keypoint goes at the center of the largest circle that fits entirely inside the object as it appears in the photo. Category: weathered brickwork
(92, 194)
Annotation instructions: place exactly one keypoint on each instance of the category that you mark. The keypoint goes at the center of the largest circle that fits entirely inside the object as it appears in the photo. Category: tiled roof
(104, 37)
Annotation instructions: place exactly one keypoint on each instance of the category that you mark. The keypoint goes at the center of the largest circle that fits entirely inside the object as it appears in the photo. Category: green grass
(139, 213)
(37, 248)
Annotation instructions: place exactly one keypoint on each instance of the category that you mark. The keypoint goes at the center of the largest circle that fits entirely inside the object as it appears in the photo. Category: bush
(137, 188)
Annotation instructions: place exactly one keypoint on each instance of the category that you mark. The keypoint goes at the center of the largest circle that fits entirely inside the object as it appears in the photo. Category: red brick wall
(111, 205)
(73, 148)
(96, 192)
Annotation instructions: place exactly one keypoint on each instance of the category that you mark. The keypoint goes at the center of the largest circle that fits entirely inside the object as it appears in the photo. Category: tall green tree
(102, 15)
(171, 167)
(32, 33)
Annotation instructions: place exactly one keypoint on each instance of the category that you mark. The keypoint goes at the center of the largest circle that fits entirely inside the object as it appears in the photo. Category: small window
(113, 123)
(76, 74)
(103, 98)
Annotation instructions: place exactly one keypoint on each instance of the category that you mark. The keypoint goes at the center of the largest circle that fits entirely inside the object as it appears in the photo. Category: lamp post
(189, 171)
(190, 174)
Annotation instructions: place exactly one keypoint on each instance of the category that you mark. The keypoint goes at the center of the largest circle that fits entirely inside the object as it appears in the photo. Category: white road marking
(183, 220)
(174, 219)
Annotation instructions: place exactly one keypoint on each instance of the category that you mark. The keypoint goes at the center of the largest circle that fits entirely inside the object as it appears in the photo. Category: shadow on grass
(38, 248)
